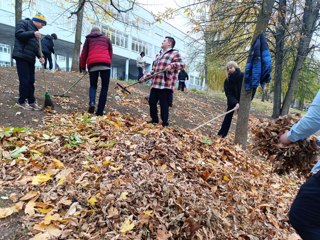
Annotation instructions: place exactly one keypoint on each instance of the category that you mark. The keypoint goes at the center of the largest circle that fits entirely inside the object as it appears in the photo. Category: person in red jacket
(96, 55)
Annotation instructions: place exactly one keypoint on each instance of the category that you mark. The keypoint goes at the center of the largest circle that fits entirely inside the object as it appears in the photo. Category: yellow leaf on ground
(123, 196)
(115, 168)
(57, 163)
(44, 210)
(5, 212)
(127, 225)
(148, 212)
(40, 178)
(225, 178)
(92, 201)
(48, 218)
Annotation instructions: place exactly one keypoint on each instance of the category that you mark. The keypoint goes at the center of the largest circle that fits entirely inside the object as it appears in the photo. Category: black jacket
(26, 45)
(47, 45)
(232, 87)
(183, 75)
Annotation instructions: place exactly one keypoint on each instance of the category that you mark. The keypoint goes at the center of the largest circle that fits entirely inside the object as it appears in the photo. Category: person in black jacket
(25, 51)
(182, 77)
(48, 49)
(232, 88)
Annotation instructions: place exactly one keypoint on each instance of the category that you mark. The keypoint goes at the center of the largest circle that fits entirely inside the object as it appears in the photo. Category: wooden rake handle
(221, 115)
(44, 75)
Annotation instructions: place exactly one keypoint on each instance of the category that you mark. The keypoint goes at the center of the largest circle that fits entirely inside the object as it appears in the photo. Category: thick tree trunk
(18, 13)
(310, 17)
(77, 42)
(280, 36)
(241, 135)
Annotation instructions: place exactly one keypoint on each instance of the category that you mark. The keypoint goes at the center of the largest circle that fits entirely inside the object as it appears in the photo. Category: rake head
(123, 89)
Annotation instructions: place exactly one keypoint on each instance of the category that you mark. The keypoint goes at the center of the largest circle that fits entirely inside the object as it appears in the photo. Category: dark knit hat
(40, 18)
(54, 36)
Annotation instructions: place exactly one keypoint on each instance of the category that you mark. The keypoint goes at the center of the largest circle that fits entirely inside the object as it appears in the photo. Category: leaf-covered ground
(77, 176)
(189, 110)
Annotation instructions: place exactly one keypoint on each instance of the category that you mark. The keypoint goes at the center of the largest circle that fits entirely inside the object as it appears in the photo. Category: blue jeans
(304, 214)
(25, 71)
(105, 79)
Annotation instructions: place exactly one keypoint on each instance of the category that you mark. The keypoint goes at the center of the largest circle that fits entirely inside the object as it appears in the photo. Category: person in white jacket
(141, 65)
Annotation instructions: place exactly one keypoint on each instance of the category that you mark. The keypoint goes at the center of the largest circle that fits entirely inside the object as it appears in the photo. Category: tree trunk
(77, 41)
(310, 17)
(241, 134)
(280, 36)
(264, 94)
(18, 13)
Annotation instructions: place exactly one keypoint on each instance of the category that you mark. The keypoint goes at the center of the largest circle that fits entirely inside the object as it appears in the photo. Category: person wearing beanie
(25, 51)
(48, 49)
(96, 55)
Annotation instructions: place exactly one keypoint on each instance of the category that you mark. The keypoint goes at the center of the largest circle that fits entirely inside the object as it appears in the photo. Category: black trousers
(226, 122)
(105, 79)
(47, 58)
(304, 214)
(181, 85)
(163, 96)
(26, 81)
(140, 70)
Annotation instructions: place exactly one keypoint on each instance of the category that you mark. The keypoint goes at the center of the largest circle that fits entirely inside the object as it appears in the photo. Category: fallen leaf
(126, 226)
(40, 178)
(5, 212)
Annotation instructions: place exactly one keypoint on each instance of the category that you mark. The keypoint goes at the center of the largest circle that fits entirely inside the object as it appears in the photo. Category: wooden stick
(221, 115)
(44, 75)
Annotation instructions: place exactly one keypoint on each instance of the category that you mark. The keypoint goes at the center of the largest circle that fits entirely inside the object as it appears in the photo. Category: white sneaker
(24, 106)
(35, 106)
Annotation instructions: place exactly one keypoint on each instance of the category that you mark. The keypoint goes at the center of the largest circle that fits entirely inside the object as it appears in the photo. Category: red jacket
(97, 51)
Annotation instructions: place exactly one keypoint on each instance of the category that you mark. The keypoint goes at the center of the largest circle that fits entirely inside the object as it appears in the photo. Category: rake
(221, 115)
(48, 104)
(64, 94)
(125, 88)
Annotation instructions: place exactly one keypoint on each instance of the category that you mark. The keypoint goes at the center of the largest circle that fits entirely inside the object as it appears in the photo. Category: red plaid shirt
(167, 79)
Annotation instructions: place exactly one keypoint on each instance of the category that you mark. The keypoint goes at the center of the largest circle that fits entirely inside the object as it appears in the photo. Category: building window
(140, 46)
(117, 38)
(5, 64)
(5, 48)
(61, 58)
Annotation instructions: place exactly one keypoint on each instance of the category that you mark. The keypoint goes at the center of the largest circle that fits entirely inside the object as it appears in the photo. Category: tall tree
(18, 13)
(241, 135)
(309, 25)
(279, 50)
(77, 38)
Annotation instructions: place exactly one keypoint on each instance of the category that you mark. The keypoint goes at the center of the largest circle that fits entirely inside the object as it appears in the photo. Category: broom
(48, 104)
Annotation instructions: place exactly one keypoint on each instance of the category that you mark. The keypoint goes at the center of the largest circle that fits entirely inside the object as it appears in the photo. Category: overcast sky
(159, 6)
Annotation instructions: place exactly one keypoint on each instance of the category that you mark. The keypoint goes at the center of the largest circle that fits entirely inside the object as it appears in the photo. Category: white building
(136, 31)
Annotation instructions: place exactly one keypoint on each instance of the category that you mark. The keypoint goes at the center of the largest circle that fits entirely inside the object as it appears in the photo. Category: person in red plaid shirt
(169, 61)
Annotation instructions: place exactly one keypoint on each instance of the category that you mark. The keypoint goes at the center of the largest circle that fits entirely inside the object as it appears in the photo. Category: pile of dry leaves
(115, 177)
(299, 156)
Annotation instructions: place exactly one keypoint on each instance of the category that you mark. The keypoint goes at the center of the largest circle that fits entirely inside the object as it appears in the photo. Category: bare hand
(237, 106)
(37, 34)
(141, 80)
(284, 138)
(41, 60)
